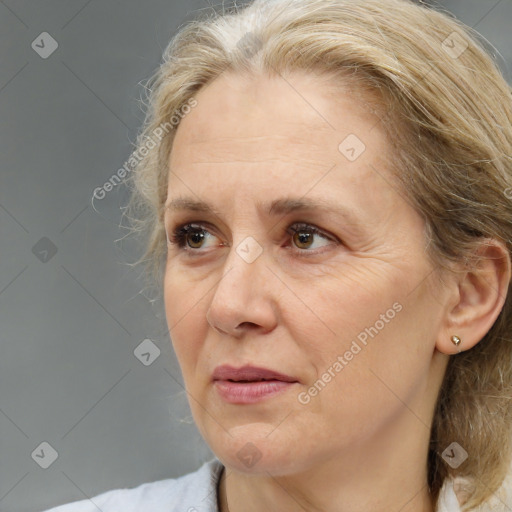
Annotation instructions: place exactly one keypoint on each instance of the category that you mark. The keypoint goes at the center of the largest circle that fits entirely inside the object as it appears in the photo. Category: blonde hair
(447, 111)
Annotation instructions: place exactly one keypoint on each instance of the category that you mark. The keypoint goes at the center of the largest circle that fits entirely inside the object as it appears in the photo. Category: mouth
(250, 380)
(249, 374)
(249, 384)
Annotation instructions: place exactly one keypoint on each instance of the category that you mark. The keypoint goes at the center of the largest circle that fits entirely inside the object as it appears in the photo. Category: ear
(477, 299)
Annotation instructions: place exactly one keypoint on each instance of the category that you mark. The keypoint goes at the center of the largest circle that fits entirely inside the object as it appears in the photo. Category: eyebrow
(282, 206)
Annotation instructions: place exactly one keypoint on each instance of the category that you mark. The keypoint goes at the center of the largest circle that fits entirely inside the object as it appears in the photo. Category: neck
(293, 494)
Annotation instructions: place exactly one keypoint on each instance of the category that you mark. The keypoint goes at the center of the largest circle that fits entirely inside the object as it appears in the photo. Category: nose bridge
(241, 268)
(241, 296)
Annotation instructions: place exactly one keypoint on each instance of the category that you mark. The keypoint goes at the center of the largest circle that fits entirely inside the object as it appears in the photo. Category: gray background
(70, 321)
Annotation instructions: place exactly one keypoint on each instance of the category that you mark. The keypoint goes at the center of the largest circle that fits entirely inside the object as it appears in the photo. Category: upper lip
(249, 373)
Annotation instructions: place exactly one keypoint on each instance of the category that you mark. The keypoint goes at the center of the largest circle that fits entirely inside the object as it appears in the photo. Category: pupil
(304, 238)
(196, 238)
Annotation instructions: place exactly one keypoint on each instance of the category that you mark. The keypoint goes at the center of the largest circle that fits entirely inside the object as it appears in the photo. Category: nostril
(248, 325)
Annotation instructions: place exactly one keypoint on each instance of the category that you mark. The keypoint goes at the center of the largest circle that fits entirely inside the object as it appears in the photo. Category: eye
(193, 237)
(304, 235)
(190, 236)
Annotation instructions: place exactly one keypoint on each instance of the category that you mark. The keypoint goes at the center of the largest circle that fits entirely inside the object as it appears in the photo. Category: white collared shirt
(197, 492)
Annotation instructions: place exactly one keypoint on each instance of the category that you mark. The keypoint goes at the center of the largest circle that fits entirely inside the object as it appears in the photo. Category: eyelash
(179, 234)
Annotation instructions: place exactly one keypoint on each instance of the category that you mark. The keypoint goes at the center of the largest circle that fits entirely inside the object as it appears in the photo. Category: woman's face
(301, 259)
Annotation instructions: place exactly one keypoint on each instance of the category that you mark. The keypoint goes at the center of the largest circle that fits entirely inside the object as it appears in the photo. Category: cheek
(186, 318)
(360, 325)
(341, 305)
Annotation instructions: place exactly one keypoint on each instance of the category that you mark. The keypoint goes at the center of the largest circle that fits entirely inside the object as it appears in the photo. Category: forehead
(298, 114)
(253, 139)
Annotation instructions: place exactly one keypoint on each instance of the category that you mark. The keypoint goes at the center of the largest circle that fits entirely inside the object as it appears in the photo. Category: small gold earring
(456, 341)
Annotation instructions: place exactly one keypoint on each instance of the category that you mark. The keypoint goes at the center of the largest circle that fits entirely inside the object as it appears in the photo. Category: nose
(243, 299)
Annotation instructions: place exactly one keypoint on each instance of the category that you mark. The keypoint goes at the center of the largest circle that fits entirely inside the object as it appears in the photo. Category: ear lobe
(479, 296)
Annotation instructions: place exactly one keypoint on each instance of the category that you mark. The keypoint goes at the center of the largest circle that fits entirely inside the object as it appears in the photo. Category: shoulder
(194, 492)
(448, 501)
(454, 492)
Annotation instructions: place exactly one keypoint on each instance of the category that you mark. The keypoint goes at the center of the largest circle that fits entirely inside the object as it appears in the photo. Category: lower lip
(250, 392)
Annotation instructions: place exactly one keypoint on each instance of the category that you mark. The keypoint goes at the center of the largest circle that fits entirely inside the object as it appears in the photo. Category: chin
(251, 452)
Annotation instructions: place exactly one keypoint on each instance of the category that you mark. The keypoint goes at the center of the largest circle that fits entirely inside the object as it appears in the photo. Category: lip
(249, 384)
(249, 373)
